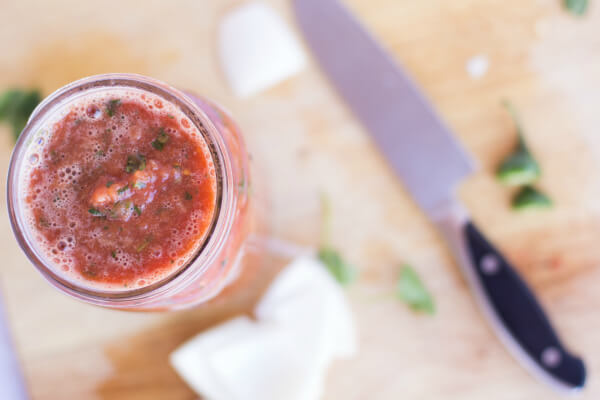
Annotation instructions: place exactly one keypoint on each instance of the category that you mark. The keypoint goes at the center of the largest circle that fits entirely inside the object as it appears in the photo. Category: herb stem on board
(519, 167)
(342, 271)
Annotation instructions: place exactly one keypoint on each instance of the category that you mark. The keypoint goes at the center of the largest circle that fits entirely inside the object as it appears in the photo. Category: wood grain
(304, 141)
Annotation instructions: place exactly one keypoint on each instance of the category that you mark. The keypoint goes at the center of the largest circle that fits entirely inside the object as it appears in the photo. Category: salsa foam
(120, 189)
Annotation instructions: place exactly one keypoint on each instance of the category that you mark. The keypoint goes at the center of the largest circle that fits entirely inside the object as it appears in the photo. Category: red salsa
(124, 190)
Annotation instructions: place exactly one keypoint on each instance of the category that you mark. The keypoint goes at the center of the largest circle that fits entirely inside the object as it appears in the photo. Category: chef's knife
(422, 151)
(12, 384)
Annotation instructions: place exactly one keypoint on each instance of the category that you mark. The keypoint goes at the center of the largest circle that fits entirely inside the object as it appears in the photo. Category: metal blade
(407, 130)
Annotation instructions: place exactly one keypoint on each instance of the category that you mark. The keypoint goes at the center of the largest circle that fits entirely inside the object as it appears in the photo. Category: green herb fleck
(100, 153)
(105, 227)
(123, 189)
(343, 272)
(245, 186)
(90, 273)
(530, 198)
(95, 212)
(135, 163)
(111, 106)
(137, 210)
(157, 145)
(131, 164)
(16, 106)
(144, 244)
(44, 222)
(113, 254)
(411, 290)
(170, 116)
(109, 184)
(161, 140)
(142, 165)
(576, 7)
(519, 168)
(162, 136)
(187, 196)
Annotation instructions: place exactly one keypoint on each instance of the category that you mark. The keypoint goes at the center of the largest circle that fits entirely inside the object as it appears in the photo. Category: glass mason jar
(221, 257)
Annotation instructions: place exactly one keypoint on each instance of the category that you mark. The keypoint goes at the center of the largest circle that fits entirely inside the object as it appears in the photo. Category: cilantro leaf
(529, 198)
(160, 140)
(343, 272)
(411, 290)
(519, 167)
(576, 7)
(16, 106)
(135, 163)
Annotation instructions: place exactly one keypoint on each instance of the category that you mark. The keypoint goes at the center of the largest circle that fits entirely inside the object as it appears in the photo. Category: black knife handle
(510, 306)
(520, 313)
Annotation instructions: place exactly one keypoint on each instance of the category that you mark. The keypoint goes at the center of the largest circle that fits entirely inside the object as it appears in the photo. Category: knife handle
(510, 306)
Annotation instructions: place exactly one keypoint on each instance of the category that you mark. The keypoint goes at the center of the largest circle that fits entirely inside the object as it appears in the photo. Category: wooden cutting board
(305, 141)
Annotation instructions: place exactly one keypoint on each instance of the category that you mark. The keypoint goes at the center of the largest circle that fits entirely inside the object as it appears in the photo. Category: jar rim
(218, 229)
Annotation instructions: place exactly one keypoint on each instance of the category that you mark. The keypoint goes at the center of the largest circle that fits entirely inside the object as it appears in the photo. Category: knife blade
(387, 102)
(12, 383)
(431, 163)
